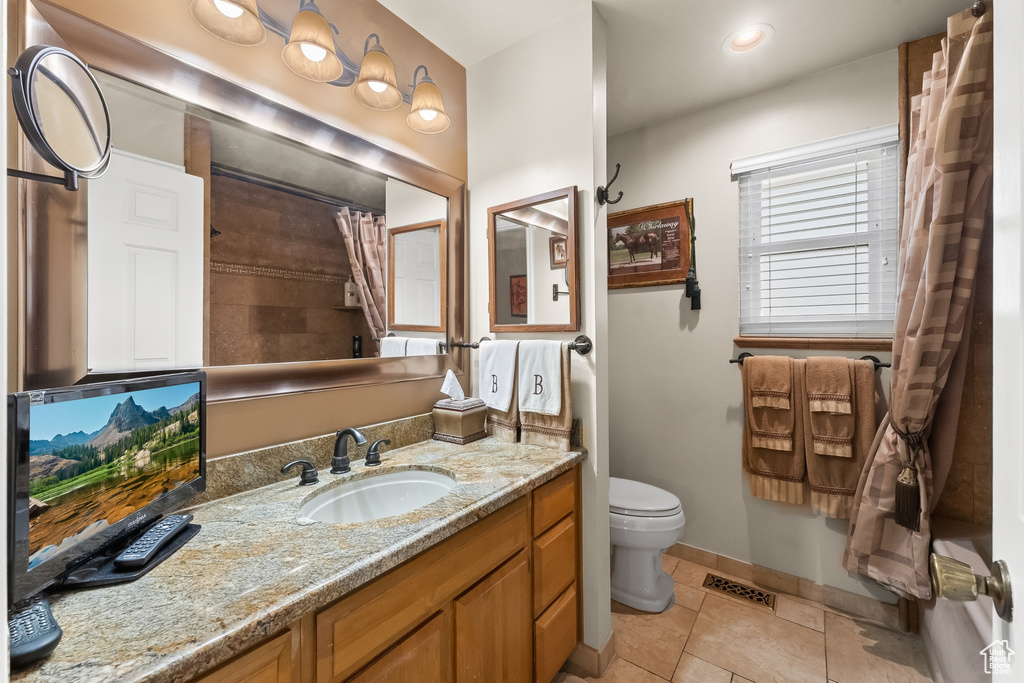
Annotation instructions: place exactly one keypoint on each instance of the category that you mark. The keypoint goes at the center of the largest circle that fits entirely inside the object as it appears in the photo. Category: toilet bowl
(644, 520)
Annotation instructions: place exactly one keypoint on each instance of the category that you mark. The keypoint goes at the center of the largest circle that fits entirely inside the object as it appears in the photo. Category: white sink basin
(377, 496)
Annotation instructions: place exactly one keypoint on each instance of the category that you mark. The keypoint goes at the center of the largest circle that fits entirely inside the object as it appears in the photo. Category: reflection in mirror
(292, 245)
(416, 277)
(534, 262)
(71, 111)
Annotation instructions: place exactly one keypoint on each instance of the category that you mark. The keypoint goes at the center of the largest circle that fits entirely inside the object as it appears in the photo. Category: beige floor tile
(801, 613)
(688, 596)
(690, 573)
(859, 652)
(694, 670)
(736, 678)
(668, 563)
(652, 641)
(621, 671)
(755, 644)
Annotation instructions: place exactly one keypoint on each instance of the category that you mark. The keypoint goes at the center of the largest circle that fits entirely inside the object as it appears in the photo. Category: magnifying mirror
(63, 113)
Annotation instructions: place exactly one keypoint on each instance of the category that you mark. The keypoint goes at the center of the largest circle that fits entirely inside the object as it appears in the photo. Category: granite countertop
(256, 567)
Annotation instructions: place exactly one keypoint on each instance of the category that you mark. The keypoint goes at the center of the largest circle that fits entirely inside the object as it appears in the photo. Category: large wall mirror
(233, 233)
(534, 264)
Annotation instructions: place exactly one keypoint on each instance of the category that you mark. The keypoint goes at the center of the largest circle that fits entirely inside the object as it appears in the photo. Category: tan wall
(169, 27)
(277, 283)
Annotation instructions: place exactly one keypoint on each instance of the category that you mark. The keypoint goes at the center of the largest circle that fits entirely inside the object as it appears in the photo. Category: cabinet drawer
(554, 636)
(554, 563)
(357, 629)
(275, 661)
(423, 657)
(553, 500)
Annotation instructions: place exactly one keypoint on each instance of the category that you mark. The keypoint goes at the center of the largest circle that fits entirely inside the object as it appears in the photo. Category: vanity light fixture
(236, 21)
(748, 38)
(427, 115)
(309, 51)
(377, 87)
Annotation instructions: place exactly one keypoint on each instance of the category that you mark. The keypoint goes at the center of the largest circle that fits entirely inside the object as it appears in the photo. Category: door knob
(956, 580)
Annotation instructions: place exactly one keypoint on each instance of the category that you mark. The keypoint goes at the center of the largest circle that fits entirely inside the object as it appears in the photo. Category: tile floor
(706, 637)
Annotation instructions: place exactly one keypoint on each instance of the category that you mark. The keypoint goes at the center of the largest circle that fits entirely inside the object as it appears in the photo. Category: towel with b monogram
(545, 395)
(497, 380)
(540, 374)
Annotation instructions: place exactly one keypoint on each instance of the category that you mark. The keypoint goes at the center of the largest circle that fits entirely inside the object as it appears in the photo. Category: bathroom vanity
(481, 584)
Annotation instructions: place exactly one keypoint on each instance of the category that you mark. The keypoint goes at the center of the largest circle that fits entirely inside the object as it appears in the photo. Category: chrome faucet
(340, 462)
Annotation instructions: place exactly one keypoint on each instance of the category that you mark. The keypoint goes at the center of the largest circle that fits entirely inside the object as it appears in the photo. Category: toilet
(644, 521)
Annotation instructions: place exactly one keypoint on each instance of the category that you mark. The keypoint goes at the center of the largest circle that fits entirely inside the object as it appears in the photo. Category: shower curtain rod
(878, 364)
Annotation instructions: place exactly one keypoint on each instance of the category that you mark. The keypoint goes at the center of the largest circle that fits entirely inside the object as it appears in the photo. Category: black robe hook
(602, 191)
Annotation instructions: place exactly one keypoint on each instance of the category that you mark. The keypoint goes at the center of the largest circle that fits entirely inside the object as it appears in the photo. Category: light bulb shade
(377, 68)
(311, 29)
(427, 96)
(245, 29)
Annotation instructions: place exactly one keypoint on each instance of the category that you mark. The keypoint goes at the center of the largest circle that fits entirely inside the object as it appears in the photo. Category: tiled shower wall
(278, 270)
(968, 492)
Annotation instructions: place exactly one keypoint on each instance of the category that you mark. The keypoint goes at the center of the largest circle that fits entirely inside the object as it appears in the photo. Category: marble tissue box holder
(459, 422)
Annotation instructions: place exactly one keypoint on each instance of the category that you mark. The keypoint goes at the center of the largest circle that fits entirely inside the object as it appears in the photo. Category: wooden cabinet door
(275, 661)
(493, 624)
(423, 657)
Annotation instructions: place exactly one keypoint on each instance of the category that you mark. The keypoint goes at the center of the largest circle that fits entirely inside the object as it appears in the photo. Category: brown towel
(775, 474)
(833, 480)
(504, 425)
(829, 384)
(829, 388)
(769, 411)
(770, 382)
(551, 431)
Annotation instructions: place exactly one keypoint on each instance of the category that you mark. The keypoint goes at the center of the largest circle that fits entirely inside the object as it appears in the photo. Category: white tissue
(452, 388)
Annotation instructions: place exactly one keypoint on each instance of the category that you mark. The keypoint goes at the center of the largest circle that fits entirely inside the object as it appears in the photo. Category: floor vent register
(739, 590)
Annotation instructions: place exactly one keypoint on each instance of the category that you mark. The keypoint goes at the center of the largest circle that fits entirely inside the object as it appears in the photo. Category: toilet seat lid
(635, 498)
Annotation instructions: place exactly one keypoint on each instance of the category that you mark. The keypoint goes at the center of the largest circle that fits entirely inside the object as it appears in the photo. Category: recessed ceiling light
(748, 38)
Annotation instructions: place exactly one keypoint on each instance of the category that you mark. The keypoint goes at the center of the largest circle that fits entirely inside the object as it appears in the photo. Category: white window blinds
(818, 238)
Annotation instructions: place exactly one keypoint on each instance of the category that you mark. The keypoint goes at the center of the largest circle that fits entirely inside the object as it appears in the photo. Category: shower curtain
(365, 239)
(948, 191)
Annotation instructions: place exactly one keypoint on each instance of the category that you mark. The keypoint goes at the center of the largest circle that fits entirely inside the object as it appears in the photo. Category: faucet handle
(309, 473)
(373, 455)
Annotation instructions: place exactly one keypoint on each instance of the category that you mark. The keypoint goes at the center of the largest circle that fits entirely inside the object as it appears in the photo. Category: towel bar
(878, 364)
(581, 344)
(442, 344)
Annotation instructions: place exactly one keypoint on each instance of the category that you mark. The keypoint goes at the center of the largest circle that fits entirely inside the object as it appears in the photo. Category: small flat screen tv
(91, 465)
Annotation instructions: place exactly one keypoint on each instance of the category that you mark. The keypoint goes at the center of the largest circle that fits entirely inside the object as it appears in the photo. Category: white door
(145, 266)
(417, 278)
(1008, 325)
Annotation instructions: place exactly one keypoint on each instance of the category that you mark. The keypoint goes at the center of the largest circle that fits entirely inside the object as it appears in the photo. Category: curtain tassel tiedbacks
(908, 488)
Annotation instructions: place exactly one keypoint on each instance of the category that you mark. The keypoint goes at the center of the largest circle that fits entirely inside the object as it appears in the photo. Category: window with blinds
(818, 238)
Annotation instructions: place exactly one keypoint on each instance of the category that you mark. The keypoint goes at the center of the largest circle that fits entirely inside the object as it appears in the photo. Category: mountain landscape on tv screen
(81, 482)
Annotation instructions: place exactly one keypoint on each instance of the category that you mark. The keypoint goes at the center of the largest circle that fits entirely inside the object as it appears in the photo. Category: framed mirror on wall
(534, 264)
(268, 312)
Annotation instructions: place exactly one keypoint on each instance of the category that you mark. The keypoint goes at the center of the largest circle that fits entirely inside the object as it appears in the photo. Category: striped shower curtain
(948, 192)
(365, 240)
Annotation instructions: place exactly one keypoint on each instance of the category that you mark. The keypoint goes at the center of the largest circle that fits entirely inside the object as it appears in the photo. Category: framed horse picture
(650, 245)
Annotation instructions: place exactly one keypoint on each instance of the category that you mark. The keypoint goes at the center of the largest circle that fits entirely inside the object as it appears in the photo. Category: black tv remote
(34, 633)
(140, 552)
